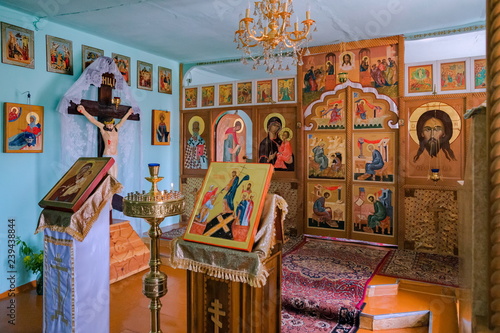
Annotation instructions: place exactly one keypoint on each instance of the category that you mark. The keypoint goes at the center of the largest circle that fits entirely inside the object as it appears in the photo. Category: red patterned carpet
(324, 284)
(423, 267)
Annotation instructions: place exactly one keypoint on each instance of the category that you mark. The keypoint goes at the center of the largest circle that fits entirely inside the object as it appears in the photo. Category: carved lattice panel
(431, 221)
(285, 190)
(190, 189)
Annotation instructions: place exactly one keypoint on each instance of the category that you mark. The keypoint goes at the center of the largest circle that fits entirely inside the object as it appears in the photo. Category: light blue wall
(26, 178)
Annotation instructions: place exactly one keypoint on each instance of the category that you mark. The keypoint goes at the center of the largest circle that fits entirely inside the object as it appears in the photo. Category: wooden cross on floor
(105, 107)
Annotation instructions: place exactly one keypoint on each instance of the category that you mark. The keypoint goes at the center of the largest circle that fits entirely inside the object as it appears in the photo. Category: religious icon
(326, 206)
(346, 61)
(164, 80)
(326, 155)
(24, 128)
(89, 55)
(160, 131)
(373, 156)
(207, 96)
(286, 90)
(244, 92)
(330, 113)
(59, 55)
(226, 94)
(420, 79)
(190, 97)
(436, 143)
(434, 130)
(231, 132)
(123, 64)
(373, 210)
(195, 156)
(264, 91)
(453, 76)
(18, 46)
(276, 148)
(77, 184)
(368, 111)
(229, 205)
(479, 73)
(144, 75)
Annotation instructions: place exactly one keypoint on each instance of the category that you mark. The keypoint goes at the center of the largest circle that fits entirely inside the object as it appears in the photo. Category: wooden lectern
(222, 305)
(76, 253)
(222, 298)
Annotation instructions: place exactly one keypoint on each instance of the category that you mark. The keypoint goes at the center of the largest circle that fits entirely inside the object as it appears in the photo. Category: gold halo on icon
(32, 114)
(200, 121)
(241, 122)
(269, 116)
(286, 129)
(455, 119)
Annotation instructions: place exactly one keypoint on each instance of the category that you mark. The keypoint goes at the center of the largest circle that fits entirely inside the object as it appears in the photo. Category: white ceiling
(191, 31)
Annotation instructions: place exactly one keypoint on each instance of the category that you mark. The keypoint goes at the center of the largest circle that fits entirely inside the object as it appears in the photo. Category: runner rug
(174, 233)
(423, 267)
(324, 284)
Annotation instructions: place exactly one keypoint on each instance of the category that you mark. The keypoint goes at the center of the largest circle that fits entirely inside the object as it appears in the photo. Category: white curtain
(79, 136)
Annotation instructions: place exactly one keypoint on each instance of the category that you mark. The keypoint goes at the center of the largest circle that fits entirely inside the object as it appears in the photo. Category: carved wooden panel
(128, 253)
(222, 305)
(431, 221)
(435, 139)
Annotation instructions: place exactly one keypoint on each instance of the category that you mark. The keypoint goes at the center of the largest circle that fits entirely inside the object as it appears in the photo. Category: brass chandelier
(270, 31)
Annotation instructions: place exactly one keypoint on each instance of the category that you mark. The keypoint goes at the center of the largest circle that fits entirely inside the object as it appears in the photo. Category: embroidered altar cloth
(78, 224)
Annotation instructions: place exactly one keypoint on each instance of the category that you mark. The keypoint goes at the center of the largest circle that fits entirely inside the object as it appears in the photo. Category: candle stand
(154, 206)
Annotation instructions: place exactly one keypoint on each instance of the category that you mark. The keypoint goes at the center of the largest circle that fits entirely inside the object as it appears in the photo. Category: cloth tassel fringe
(221, 273)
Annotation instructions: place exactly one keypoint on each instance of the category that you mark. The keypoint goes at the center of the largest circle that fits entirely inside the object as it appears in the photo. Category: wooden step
(398, 330)
(382, 290)
(413, 319)
(426, 288)
(439, 301)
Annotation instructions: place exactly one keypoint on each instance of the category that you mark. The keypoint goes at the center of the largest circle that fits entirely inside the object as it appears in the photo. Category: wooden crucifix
(106, 108)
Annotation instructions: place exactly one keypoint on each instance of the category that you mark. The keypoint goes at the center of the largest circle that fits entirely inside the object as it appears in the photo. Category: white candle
(308, 15)
(248, 12)
(172, 186)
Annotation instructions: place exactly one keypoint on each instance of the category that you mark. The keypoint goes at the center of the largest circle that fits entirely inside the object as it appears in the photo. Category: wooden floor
(130, 314)
(129, 311)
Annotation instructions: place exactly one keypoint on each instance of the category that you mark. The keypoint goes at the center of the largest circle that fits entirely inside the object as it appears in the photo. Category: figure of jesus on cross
(109, 132)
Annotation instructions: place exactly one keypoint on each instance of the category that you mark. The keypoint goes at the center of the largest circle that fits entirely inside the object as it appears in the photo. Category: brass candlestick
(154, 206)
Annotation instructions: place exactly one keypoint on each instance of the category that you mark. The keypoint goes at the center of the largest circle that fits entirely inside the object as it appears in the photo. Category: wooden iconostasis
(350, 96)
(354, 159)
(255, 134)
